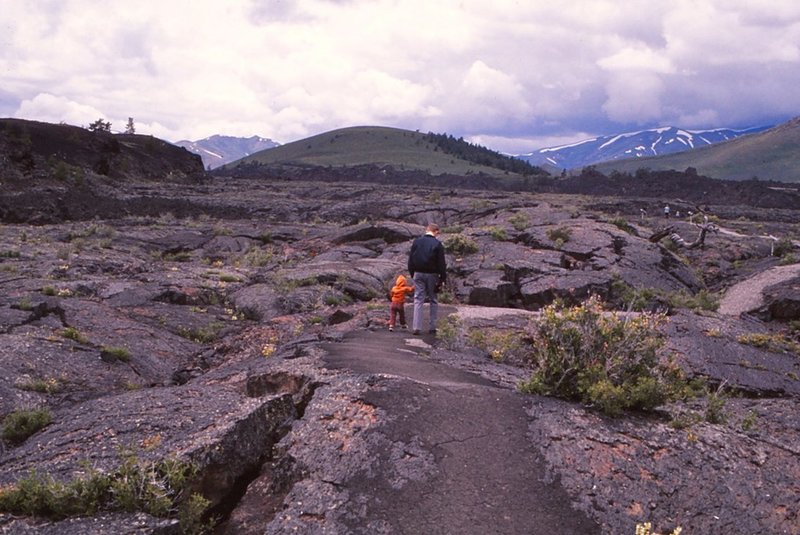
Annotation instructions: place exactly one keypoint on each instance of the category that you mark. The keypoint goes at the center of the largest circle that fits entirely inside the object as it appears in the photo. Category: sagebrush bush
(497, 233)
(21, 424)
(702, 300)
(783, 247)
(583, 353)
(159, 488)
(640, 298)
(622, 224)
(74, 334)
(202, 335)
(118, 353)
(450, 331)
(560, 235)
(459, 244)
(49, 385)
(774, 342)
(519, 221)
(498, 344)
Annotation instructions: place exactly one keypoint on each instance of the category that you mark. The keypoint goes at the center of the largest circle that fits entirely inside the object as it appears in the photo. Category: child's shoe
(391, 328)
(404, 326)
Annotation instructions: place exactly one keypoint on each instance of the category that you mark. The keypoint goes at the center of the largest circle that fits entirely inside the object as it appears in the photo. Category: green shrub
(159, 488)
(449, 330)
(180, 256)
(48, 290)
(715, 407)
(118, 353)
(497, 233)
(21, 424)
(258, 257)
(749, 421)
(519, 221)
(202, 335)
(220, 230)
(685, 420)
(702, 300)
(560, 235)
(337, 300)
(783, 247)
(582, 353)
(776, 343)
(639, 298)
(190, 515)
(498, 344)
(634, 298)
(459, 244)
(72, 333)
(39, 495)
(622, 224)
(41, 385)
(25, 304)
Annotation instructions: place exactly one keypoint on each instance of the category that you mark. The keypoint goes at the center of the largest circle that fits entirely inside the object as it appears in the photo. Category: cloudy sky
(511, 75)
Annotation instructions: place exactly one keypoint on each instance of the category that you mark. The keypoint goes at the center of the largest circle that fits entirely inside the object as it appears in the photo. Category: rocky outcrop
(782, 301)
(189, 321)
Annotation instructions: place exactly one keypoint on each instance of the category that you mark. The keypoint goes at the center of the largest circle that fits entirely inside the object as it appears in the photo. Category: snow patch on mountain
(217, 150)
(652, 142)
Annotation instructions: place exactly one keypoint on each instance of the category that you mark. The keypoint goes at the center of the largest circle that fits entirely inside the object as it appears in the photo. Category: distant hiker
(642, 213)
(398, 294)
(666, 211)
(428, 268)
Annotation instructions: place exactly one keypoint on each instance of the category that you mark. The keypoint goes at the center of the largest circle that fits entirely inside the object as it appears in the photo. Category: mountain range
(771, 153)
(217, 150)
(643, 143)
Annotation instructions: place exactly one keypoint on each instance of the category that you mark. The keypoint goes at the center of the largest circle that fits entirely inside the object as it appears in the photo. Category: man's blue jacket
(427, 256)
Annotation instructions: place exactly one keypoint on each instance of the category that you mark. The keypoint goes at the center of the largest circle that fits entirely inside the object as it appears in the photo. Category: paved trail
(468, 465)
(747, 295)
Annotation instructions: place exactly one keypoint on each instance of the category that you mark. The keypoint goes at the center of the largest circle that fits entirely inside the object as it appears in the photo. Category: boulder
(782, 301)
(592, 256)
(388, 231)
(257, 301)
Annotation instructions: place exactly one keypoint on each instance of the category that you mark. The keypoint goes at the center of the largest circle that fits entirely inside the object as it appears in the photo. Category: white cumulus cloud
(505, 70)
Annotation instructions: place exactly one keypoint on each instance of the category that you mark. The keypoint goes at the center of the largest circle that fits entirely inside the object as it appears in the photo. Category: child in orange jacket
(398, 294)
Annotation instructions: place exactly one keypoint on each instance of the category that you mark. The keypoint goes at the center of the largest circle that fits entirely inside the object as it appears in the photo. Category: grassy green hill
(770, 155)
(372, 145)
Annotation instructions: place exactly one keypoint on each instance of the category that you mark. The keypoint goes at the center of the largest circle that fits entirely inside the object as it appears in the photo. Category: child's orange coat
(400, 289)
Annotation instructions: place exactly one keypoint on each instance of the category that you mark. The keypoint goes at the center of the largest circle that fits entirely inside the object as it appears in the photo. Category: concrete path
(454, 457)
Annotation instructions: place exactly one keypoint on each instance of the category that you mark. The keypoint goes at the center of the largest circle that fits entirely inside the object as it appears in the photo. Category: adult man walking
(427, 266)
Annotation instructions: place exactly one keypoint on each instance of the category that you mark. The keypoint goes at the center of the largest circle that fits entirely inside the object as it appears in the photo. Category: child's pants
(397, 309)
